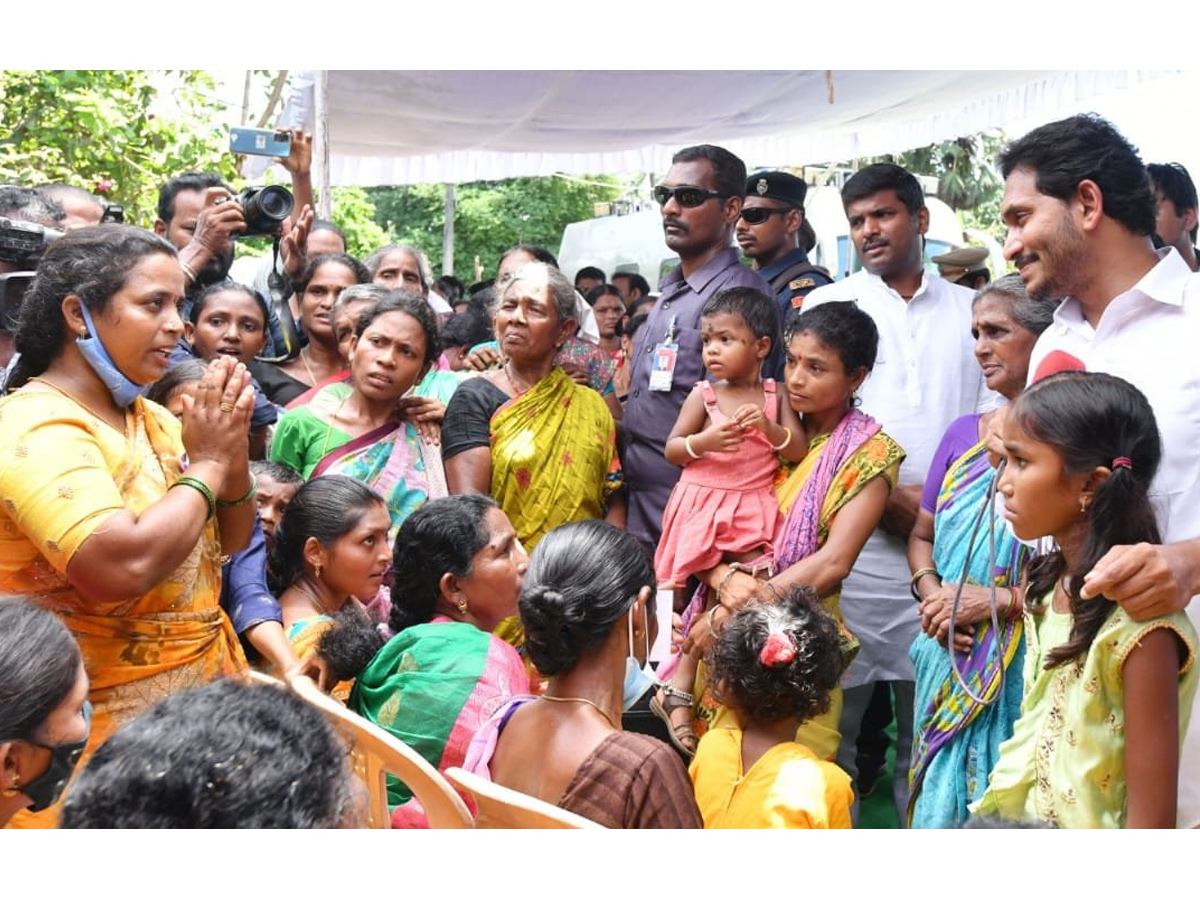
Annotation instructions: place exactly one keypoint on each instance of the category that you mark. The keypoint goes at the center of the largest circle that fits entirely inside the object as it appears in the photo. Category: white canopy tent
(407, 127)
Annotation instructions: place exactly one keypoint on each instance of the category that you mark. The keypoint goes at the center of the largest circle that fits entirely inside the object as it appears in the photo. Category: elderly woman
(114, 517)
(956, 737)
(542, 445)
(44, 710)
(588, 610)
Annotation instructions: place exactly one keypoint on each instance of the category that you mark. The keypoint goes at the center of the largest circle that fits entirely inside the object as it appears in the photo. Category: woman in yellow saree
(91, 525)
(543, 446)
(831, 502)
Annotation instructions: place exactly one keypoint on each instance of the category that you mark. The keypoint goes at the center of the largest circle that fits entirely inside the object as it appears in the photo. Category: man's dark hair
(729, 172)
(326, 225)
(1175, 184)
(55, 191)
(883, 177)
(226, 755)
(592, 272)
(1086, 147)
(635, 281)
(29, 205)
(188, 181)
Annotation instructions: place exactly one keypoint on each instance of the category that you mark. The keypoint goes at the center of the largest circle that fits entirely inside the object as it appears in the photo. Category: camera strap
(280, 289)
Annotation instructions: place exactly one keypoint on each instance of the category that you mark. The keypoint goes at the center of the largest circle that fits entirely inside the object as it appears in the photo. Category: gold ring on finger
(226, 406)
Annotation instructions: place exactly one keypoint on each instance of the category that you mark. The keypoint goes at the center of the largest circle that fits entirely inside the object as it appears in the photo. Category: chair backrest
(501, 807)
(375, 754)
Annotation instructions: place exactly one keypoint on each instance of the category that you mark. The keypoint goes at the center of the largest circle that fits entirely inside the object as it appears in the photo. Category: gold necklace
(313, 597)
(307, 368)
(125, 413)
(512, 379)
(595, 706)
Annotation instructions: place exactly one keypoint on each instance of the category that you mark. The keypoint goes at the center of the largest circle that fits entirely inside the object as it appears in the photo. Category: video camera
(265, 208)
(23, 243)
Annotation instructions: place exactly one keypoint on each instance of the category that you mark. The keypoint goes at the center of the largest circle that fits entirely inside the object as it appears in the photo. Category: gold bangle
(188, 272)
(687, 445)
(787, 440)
(917, 576)
(245, 498)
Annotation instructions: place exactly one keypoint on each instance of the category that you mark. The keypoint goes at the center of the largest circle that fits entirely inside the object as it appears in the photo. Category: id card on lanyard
(666, 354)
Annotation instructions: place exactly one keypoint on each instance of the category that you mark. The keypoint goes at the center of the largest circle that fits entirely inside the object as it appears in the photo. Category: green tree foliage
(490, 216)
(110, 131)
(355, 214)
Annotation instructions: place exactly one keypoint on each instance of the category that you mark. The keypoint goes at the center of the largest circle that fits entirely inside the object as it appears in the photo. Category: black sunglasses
(759, 214)
(687, 197)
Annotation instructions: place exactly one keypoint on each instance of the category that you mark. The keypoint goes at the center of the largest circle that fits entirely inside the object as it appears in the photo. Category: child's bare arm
(797, 446)
(692, 418)
(1151, 677)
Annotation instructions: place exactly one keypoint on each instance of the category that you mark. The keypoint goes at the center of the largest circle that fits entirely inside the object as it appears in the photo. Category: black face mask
(48, 787)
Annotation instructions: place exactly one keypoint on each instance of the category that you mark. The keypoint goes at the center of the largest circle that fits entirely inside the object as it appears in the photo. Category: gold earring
(1083, 503)
(318, 571)
(16, 787)
(461, 603)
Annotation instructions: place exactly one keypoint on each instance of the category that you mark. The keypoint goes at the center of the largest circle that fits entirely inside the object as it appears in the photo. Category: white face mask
(639, 677)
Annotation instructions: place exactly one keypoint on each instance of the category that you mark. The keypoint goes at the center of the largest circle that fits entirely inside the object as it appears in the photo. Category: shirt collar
(791, 258)
(882, 285)
(1164, 283)
(700, 279)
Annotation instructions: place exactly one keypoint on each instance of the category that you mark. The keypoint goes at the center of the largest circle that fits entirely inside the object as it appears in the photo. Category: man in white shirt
(925, 377)
(1080, 212)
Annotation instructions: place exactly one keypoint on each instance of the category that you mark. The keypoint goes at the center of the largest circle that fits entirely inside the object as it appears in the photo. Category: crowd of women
(443, 550)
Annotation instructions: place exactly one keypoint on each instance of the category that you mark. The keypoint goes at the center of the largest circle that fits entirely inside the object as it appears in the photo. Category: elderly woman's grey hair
(423, 268)
(1034, 316)
(369, 292)
(561, 289)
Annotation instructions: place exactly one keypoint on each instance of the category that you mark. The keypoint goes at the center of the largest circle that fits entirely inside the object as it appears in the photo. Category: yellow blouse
(63, 473)
(1065, 763)
(787, 787)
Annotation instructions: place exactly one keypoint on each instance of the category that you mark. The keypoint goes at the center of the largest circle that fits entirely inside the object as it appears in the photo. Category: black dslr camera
(265, 208)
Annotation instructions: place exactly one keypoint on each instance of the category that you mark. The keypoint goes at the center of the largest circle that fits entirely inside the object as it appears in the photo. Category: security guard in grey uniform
(769, 234)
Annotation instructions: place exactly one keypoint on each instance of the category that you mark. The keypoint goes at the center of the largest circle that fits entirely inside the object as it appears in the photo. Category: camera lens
(275, 202)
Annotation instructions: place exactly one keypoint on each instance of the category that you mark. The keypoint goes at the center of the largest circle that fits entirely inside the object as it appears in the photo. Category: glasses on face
(759, 214)
(687, 197)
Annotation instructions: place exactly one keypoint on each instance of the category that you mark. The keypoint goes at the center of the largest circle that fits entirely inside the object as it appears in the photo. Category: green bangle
(197, 484)
(245, 498)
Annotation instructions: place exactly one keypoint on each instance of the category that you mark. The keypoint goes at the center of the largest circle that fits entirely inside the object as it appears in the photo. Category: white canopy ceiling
(406, 127)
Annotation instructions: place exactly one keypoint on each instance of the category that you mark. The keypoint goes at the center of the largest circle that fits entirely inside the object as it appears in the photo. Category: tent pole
(321, 142)
(448, 231)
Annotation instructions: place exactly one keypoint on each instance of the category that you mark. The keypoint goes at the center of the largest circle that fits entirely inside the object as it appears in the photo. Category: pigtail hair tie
(1122, 462)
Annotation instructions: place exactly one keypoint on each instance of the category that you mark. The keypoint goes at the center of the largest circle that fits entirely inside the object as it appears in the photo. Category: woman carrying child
(832, 501)
(1097, 743)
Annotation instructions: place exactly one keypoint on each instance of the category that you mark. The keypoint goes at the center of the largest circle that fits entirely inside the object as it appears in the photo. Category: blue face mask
(639, 677)
(122, 389)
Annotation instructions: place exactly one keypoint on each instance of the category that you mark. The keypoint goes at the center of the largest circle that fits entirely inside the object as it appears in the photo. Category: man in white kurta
(925, 377)
(1131, 312)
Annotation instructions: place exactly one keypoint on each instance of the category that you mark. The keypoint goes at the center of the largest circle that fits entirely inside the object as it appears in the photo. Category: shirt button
(649, 349)
(637, 392)
(667, 305)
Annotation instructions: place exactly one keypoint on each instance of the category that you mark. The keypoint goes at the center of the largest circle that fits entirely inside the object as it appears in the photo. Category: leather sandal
(682, 734)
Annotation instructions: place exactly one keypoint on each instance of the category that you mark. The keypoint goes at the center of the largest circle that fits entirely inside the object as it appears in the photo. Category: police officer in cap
(769, 234)
(965, 265)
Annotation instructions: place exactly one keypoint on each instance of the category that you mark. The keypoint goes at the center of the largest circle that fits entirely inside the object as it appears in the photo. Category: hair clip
(779, 650)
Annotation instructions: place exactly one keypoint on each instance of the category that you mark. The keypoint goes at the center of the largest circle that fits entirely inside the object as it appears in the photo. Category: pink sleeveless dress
(722, 503)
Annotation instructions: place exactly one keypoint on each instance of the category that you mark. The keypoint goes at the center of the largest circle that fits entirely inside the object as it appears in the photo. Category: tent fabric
(408, 127)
